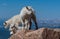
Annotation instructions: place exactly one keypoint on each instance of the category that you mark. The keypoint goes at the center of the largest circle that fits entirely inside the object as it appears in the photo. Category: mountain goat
(26, 15)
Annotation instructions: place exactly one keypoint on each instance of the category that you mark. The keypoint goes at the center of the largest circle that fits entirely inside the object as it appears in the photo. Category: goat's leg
(23, 24)
(30, 25)
(34, 19)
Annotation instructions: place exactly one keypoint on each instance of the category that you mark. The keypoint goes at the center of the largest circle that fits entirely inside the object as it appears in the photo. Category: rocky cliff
(42, 33)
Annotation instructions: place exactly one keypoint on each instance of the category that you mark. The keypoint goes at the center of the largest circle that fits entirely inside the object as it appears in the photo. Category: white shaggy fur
(14, 29)
(27, 13)
(15, 20)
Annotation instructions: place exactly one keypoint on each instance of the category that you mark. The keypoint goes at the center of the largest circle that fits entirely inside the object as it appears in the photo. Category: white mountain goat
(14, 20)
(26, 15)
(13, 23)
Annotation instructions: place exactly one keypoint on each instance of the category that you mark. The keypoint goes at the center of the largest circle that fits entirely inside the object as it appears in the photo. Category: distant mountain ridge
(44, 23)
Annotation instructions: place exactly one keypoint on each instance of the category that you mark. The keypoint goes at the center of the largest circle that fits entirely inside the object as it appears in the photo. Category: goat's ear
(27, 7)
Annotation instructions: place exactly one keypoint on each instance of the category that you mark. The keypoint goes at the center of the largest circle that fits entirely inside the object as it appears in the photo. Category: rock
(58, 30)
(42, 33)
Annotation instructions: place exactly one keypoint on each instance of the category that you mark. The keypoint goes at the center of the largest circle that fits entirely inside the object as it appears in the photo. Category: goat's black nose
(5, 23)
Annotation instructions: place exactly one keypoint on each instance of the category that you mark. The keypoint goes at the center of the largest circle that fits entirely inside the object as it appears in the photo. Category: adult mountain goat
(26, 15)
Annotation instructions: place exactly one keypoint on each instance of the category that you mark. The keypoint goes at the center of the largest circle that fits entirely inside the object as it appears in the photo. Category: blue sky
(45, 9)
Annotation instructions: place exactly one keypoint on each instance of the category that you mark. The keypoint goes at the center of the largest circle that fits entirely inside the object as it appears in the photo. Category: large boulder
(42, 33)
